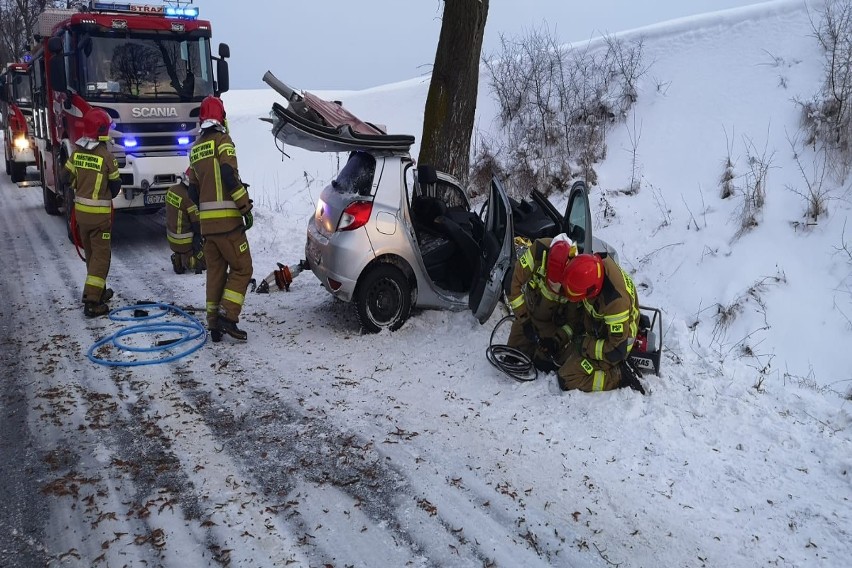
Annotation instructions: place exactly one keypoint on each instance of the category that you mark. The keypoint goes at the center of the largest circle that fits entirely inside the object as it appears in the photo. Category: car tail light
(355, 215)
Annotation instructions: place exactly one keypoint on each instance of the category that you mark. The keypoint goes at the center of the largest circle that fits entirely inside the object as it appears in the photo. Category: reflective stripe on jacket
(181, 214)
(90, 172)
(220, 208)
(612, 317)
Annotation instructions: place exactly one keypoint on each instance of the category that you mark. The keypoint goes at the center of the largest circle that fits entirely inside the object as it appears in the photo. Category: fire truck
(16, 114)
(149, 67)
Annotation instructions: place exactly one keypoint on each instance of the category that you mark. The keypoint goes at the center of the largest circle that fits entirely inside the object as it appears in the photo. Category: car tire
(383, 299)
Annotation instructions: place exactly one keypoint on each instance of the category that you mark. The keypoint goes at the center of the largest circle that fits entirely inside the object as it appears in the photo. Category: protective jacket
(95, 179)
(214, 177)
(610, 324)
(612, 317)
(93, 174)
(181, 218)
(531, 300)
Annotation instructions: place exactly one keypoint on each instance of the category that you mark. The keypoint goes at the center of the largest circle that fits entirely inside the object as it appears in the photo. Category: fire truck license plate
(155, 198)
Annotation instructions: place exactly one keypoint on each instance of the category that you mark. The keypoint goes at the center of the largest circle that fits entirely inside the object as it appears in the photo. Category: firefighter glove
(248, 218)
(550, 345)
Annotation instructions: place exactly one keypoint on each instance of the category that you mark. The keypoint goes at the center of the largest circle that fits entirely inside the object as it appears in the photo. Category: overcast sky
(339, 44)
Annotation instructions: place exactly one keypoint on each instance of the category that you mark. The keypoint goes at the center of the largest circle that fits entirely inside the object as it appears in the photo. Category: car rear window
(357, 175)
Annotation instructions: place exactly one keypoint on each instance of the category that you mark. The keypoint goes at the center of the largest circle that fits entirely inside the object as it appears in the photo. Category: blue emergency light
(186, 12)
(182, 12)
(183, 140)
(130, 142)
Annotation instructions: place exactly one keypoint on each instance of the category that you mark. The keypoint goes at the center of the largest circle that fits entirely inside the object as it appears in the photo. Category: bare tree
(557, 103)
(827, 117)
(451, 102)
(18, 19)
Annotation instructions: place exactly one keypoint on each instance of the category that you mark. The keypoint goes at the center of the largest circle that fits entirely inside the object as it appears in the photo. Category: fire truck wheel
(19, 171)
(51, 203)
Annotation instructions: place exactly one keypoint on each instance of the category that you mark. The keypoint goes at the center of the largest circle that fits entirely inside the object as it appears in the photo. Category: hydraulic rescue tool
(282, 277)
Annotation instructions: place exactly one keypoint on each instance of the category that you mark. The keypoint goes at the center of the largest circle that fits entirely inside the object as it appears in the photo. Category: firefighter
(183, 230)
(545, 321)
(93, 174)
(595, 360)
(224, 210)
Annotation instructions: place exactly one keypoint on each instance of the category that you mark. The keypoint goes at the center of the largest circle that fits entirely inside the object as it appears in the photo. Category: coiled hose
(511, 361)
(191, 335)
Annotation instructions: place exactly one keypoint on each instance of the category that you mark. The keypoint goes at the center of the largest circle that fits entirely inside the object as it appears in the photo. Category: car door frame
(498, 219)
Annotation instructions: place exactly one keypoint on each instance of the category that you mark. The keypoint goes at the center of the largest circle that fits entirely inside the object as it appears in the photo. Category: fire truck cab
(16, 114)
(149, 67)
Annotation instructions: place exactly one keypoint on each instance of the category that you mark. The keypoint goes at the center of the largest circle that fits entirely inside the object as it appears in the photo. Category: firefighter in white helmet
(224, 210)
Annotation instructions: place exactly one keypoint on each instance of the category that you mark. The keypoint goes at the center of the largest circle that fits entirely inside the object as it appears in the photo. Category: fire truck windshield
(21, 93)
(145, 67)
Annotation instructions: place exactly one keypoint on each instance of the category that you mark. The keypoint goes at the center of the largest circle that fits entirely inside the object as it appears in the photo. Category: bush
(556, 104)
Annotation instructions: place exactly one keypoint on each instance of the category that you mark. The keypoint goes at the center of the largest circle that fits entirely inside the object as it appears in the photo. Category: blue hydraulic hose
(191, 335)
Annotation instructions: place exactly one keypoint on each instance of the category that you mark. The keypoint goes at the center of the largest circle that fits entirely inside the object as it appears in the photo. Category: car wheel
(383, 299)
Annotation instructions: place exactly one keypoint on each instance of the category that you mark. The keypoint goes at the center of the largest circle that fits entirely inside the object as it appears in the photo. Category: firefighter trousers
(229, 270)
(96, 236)
(578, 372)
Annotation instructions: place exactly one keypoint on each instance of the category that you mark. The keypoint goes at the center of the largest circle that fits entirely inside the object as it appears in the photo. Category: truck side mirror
(54, 44)
(223, 81)
(224, 51)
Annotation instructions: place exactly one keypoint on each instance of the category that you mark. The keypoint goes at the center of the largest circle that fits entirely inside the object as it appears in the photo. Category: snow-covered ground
(314, 445)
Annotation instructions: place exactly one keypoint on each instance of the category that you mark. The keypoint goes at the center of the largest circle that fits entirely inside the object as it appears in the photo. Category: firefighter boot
(95, 309)
(106, 295)
(215, 335)
(177, 263)
(230, 327)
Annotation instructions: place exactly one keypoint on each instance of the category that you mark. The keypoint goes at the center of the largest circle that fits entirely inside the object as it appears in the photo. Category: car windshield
(356, 177)
(21, 92)
(145, 67)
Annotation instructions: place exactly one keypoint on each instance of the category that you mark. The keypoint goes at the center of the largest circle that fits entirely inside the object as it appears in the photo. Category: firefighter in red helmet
(183, 230)
(595, 359)
(545, 321)
(93, 175)
(224, 211)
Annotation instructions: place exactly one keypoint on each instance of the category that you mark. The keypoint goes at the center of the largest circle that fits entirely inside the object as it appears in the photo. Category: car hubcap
(384, 302)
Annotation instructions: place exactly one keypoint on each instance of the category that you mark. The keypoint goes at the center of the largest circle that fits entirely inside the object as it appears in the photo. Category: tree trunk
(451, 103)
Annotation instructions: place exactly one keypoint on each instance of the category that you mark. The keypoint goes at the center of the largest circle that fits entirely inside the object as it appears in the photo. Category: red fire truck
(16, 114)
(149, 67)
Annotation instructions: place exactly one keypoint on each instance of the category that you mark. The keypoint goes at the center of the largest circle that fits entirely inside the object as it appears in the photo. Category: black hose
(511, 361)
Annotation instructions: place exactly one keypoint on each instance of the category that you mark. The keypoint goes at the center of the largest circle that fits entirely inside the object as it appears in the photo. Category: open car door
(314, 124)
(577, 221)
(498, 254)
